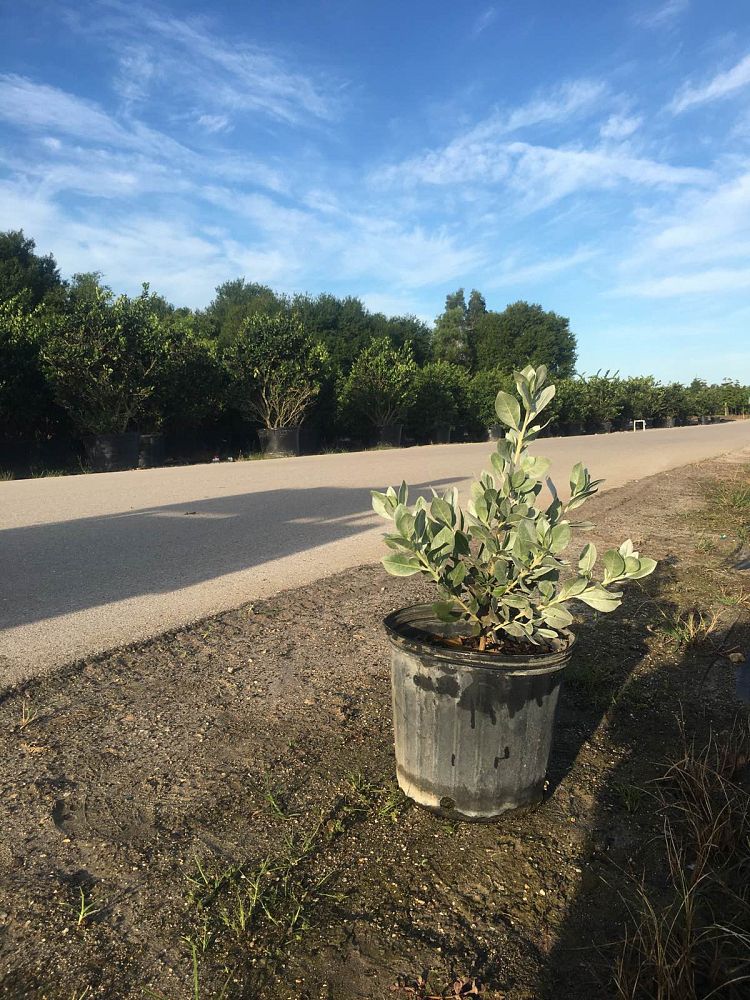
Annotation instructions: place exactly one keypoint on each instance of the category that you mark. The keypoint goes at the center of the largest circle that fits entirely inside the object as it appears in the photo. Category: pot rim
(403, 633)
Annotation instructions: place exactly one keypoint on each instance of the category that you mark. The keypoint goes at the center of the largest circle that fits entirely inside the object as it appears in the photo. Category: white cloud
(619, 127)
(478, 153)
(663, 15)
(483, 21)
(701, 247)
(710, 281)
(217, 76)
(513, 272)
(720, 86)
(214, 123)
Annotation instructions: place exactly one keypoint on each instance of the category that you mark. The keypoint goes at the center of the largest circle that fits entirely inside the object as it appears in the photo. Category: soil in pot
(472, 729)
(112, 452)
(279, 440)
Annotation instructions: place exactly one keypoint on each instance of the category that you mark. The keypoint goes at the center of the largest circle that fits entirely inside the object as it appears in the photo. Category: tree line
(76, 360)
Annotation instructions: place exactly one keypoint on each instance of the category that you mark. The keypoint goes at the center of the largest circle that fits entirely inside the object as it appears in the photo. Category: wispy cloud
(722, 85)
(483, 21)
(619, 127)
(663, 15)
(207, 74)
(479, 153)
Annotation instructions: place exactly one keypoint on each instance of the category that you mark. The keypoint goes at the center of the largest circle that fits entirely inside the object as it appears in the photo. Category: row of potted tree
(118, 371)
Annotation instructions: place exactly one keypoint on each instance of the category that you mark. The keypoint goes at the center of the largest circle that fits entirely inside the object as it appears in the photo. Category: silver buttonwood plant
(499, 564)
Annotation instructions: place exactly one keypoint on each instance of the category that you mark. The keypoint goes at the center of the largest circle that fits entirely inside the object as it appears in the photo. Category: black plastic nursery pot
(390, 434)
(441, 434)
(112, 452)
(279, 440)
(151, 451)
(472, 730)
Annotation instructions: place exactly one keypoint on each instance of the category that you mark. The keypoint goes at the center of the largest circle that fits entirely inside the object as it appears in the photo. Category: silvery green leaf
(601, 599)
(544, 398)
(403, 493)
(614, 564)
(441, 510)
(402, 565)
(557, 617)
(404, 521)
(626, 549)
(508, 410)
(573, 588)
(443, 539)
(458, 574)
(647, 566)
(560, 537)
(381, 504)
(446, 611)
(513, 628)
(587, 558)
(577, 477)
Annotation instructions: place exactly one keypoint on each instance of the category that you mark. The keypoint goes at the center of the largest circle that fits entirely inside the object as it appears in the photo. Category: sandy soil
(224, 793)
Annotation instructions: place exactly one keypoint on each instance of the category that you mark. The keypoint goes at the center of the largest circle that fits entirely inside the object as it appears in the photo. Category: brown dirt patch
(225, 792)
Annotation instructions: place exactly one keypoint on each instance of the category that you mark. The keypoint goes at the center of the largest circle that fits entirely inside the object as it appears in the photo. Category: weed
(28, 714)
(273, 797)
(629, 795)
(6, 475)
(691, 629)
(735, 599)
(196, 983)
(595, 683)
(694, 943)
(705, 545)
(85, 910)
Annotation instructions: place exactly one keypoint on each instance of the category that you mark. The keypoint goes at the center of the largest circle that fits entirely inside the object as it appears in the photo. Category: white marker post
(641, 422)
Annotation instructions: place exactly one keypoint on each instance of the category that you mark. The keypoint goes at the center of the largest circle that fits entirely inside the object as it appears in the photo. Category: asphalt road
(91, 562)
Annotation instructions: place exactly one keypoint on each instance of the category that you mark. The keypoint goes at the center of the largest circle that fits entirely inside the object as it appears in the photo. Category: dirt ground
(213, 813)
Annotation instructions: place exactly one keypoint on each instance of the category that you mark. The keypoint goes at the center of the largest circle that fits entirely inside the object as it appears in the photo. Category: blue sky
(593, 157)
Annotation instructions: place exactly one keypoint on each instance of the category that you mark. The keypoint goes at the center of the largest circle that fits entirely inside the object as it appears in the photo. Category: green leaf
(544, 398)
(403, 493)
(588, 558)
(508, 410)
(557, 617)
(577, 477)
(614, 564)
(381, 504)
(560, 537)
(573, 588)
(404, 520)
(601, 599)
(441, 510)
(401, 565)
(647, 566)
(446, 611)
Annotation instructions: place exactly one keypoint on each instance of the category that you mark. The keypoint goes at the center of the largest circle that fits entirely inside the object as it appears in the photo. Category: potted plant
(276, 371)
(440, 402)
(103, 355)
(379, 389)
(476, 675)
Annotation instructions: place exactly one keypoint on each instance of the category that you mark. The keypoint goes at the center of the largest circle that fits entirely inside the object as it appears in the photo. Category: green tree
(525, 334)
(233, 305)
(380, 386)
(24, 272)
(483, 390)
(441, 399)
(102, 357)
(276, 369)
(450, 339)
(28, 409)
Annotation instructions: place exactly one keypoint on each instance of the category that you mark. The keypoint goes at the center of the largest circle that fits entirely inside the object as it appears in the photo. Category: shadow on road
(55, 569)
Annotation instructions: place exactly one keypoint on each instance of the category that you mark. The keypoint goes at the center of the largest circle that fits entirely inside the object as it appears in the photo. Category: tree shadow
(68, 566)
